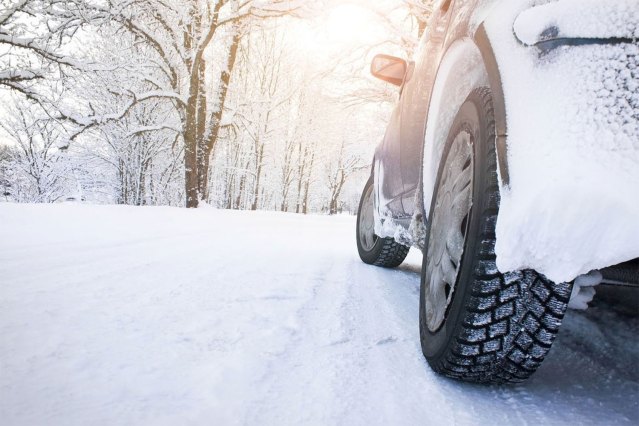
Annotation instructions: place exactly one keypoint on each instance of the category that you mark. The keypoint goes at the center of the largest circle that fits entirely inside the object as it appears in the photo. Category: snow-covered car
(512, 161)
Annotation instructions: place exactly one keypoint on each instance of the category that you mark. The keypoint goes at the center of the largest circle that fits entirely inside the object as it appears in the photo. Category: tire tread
(392, 255)
(510, 320)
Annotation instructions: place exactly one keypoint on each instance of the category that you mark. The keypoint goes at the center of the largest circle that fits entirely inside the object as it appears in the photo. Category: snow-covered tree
(38, 172)
(155, 102)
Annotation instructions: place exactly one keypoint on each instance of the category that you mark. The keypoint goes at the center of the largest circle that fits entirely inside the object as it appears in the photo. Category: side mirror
(390, 69)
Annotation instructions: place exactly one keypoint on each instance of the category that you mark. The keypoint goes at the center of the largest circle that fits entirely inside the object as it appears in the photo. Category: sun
(339, 30)
(349, 24)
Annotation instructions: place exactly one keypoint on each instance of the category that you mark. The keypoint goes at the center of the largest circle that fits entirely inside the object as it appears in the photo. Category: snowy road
(158, 316)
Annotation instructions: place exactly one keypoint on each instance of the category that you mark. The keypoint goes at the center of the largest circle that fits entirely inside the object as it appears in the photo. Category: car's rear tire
(385, 252)
(477, 324)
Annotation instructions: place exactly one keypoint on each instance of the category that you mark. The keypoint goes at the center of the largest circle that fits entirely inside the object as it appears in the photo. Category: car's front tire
(477, 324)
(373, 250)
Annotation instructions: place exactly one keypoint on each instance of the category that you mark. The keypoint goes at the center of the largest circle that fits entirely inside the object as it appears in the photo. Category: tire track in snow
(300, 385)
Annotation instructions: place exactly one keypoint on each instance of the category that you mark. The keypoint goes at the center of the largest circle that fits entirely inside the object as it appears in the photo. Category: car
(512, 161)
(72, 199)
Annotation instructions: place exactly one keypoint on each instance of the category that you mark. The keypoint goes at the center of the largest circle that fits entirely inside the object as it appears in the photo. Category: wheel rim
(367, 237)
(448, 230)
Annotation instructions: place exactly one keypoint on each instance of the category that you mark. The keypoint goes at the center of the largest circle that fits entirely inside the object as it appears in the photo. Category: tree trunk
(305, 202)
(191, 166)
(216, 118)
(238, 199)
(191, 128)
(307, 184)
(335, 193)
(300, 176)
(258, 175)
(190, 146)
(124, 182)
(201, 130)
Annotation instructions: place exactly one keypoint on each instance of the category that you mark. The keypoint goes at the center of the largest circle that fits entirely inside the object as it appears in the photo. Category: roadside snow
(159, 316)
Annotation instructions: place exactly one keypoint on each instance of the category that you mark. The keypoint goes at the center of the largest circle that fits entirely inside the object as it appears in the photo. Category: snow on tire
(477, 324)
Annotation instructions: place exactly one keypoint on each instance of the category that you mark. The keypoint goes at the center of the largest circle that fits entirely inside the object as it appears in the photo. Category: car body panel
(388, 179)
(403, 141)
(415, 101)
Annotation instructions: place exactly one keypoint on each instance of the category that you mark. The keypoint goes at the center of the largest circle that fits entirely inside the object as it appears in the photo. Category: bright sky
(351, 24)
(340, 29)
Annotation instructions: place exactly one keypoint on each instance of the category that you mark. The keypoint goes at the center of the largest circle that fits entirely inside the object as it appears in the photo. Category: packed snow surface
(159, 316)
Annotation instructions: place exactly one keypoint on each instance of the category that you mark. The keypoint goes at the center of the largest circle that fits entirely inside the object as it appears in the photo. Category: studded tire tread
(508, 322)
(392, 254)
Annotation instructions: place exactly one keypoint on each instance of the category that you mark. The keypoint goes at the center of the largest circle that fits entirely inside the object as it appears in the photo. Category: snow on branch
(86, 122)
(146, 129)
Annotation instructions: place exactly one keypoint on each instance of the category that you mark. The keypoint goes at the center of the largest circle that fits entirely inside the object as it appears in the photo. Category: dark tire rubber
(386, 252)
(498, 327)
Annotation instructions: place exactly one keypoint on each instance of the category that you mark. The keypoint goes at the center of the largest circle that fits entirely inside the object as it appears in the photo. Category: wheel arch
(499, 103)
(466, 64)
(459, 72)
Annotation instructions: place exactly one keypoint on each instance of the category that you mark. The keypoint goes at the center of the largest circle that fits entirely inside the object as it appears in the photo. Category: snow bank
(573, 150)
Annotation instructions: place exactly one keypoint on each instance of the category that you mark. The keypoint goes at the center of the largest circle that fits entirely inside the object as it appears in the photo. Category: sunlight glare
(339, 29)
(349, 24)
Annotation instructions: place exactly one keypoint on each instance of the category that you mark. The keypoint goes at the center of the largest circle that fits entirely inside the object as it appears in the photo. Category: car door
(388, 179)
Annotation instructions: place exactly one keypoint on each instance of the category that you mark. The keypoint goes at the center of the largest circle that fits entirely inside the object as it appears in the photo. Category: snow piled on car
(579, 18)
(572, 202)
